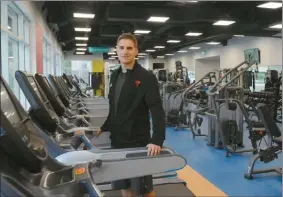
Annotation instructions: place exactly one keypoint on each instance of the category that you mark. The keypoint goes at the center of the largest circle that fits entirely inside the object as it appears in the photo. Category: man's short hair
(128, 36)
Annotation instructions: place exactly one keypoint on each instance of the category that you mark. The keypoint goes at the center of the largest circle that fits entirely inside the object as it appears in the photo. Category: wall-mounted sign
(98, 49)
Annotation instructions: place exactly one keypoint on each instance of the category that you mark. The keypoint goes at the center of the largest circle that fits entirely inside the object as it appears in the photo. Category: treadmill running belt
(169, 190)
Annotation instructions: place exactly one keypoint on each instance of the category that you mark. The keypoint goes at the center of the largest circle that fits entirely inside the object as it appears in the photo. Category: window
(15, 44)
(26, 31)
(46, 57)
(13, 66)
(12, 21)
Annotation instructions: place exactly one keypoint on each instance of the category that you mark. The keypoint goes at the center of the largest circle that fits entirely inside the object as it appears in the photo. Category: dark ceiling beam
(176, 47)
(218, 33)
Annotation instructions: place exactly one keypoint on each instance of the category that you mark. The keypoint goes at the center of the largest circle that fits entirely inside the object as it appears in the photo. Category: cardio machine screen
(8, 108)
(34, 87)
(47, 83)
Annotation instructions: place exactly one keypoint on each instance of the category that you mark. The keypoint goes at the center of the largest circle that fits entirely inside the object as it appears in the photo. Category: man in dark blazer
(133, 93)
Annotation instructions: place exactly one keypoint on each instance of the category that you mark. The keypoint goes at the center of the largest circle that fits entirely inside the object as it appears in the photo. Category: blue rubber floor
(225, 173)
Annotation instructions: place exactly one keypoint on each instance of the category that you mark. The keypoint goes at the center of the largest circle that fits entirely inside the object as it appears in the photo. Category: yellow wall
(98, 66)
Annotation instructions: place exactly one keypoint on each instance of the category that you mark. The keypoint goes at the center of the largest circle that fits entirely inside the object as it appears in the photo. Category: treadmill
(67, 98)
(31, 89)
(66, 134)
(51, 176)
(93, 102)
(75, 87)
(53, 96)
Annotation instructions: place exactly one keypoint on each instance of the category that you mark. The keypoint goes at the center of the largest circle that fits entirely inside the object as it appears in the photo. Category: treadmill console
(41, 110)
(9, 110)
(19, 138)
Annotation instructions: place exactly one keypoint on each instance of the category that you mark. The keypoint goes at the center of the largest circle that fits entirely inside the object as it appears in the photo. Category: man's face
(126, 51)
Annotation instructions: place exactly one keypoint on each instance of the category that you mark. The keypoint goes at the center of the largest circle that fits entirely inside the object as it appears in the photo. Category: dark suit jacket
(130, 127)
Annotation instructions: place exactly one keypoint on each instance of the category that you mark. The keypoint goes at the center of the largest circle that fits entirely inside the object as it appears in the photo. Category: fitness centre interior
(219, 70)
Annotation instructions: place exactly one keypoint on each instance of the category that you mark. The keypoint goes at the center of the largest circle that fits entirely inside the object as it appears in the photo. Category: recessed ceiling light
(160, 57)
(137, 58)
(157, 19)
(142, 32)
(81, 38)
(182, 51)
(81, 49)
(169, 54)
(81, 45)
(82, 29)
(239, 35)
(114, 56)
(150, 50)
(141, 54)
(271, 5)
(111, 53)
(111, 58)
(159, 47)
(174, 41)
(83, 15)
(278, 26)
(192, 1)
(213, 43)
(223, 23)
(194, 48)
(80, 53)
(193, 34)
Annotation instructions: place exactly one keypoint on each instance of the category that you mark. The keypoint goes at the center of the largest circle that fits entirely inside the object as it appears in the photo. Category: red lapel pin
(138, 83)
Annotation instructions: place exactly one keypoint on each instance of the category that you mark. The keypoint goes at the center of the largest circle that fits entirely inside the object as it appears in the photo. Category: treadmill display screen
(8, 108)
(34, 87)
(47, 83)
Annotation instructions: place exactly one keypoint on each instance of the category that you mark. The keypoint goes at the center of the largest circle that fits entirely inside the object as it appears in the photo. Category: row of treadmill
(228, 115)
(52, 148)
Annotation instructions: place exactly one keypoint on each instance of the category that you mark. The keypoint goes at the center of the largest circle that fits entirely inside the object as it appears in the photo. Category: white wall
(71, 56)
(186, 59)
(203, 66)
(156, 60)
(233, 54)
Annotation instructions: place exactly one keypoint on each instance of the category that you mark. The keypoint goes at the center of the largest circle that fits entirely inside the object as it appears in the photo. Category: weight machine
(182, 74)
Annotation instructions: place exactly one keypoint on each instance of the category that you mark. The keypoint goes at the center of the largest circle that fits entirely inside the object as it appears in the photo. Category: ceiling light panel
(193, 34)
(80, 53)
(278, 26)
(158, 19)
(82, 29)
(142, 31)
(213, 43)
(81, 38)
(181, 51)
(174, 41)
(271, 5)
(81, 45)
(223, 23)
(159, 47)
(169, 54)
(83, 15)
(81, 49)
(194, 48)
(150, 50)
(160, 57)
